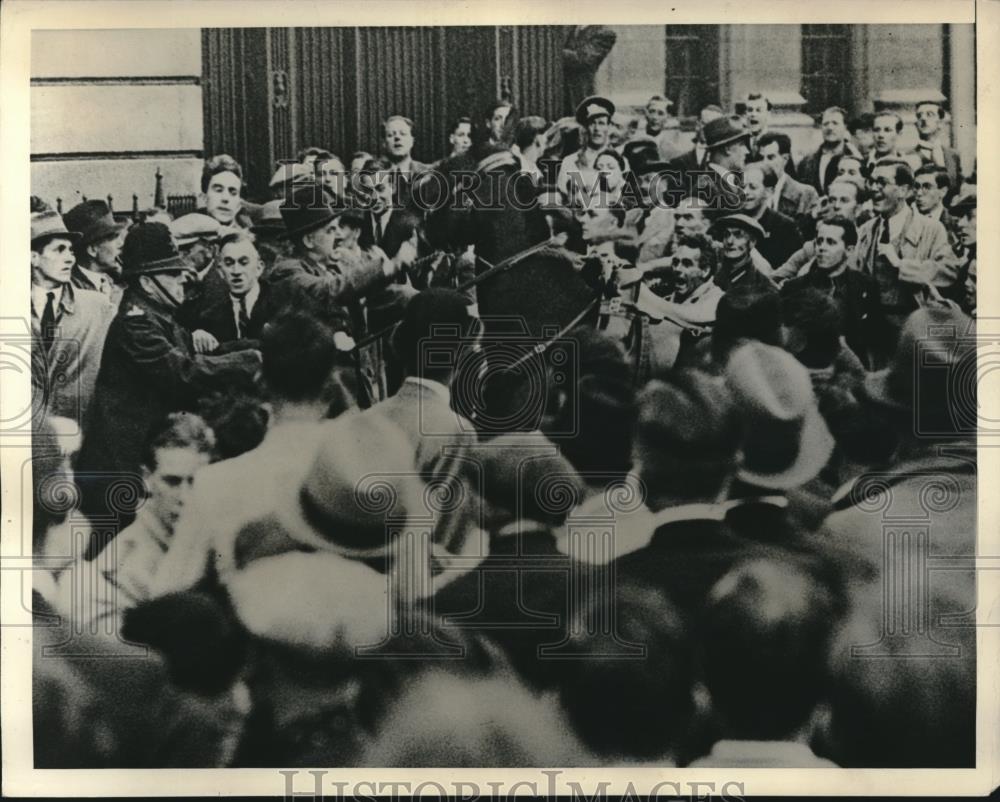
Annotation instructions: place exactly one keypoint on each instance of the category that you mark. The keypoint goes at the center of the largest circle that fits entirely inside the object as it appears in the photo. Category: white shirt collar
(39, 298)
(434, 386)
(251, 299)
(96, 278)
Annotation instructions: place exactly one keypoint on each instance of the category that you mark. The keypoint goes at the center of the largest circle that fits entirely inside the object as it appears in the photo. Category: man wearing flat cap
(738, 235)
(578, 175)
(196, 236)
(149, 369)
(68, 325)
(98, 248)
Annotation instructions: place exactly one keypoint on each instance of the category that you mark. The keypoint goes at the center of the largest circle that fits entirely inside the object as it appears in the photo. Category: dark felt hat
(722, 131)
(306, 211)
(93, 221)
(150, 248)
(643, 157)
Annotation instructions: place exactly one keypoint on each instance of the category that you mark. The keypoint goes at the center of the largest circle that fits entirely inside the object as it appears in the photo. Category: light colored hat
(190, 228)
(46, 225)
(742, 221)
(786, 442)
(295, 174)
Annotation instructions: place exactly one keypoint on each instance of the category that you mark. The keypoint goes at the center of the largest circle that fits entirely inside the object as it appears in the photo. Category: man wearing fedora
(98, 249)
(719, 184)
(738, 236)
(578, 176)
(694, 159)
(68, 325)
(149, 369)
(785, 445)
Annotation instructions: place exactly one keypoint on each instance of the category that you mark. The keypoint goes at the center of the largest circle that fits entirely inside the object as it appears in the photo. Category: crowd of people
(295, 473)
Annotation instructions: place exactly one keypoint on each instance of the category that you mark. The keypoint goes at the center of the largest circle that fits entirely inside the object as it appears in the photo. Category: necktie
(49, 321)
(378, 229)
(885, 232)
(242, 319)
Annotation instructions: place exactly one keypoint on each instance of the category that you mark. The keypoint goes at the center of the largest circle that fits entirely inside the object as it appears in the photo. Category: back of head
(435, 328)
(629, 697)
(745, 313)
(904, 701)
(687, 437)
(300, 352)
(814, 325)
(763, 648)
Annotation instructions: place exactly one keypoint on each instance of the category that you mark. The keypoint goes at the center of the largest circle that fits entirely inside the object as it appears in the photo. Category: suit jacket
(148, 369)
(921, 242)
(782, 237)
(399, 228)
(808, 169)
(219, 320)
(856, 294)
(65, 376)
(104, 285)
(952, 163)
(684, 559)
(796, 198)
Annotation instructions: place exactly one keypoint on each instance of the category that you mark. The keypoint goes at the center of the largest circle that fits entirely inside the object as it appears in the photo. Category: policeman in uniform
(149, 369)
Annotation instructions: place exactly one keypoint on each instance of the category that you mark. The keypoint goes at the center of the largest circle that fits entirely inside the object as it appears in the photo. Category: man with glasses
(907, 253)
(929, 189)
(148, 370)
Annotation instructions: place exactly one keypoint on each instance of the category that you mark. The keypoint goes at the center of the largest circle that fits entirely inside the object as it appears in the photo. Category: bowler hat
(93, 220)
(932, 376)
(306, 211)
(46, 225)
(150, 248)
(722, 131)
(594, 106)
(190, 228)
(743, 221)
(785, 442)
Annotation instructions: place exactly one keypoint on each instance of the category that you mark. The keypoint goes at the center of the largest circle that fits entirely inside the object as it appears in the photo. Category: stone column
(963, 94)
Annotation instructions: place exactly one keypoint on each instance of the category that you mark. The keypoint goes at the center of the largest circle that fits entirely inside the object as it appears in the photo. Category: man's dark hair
(903, 173)
(783, 141)
(939, 173)
(763, 648)
(704, 245)
(630, 708)
(321, 154)
(894, 115)
(222, 163)
(457, 122)
(299, 354)
(760, 96)
(527, 128)
(816, 316)
(863, 122)
(745, 313)
(940, 106)
(436, 326)
(179, 430)
(497, 104)
(847, 226)
(838, 109)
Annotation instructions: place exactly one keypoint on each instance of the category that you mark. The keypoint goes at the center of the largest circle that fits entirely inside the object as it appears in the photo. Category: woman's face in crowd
(608, 166)
(497, 122)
